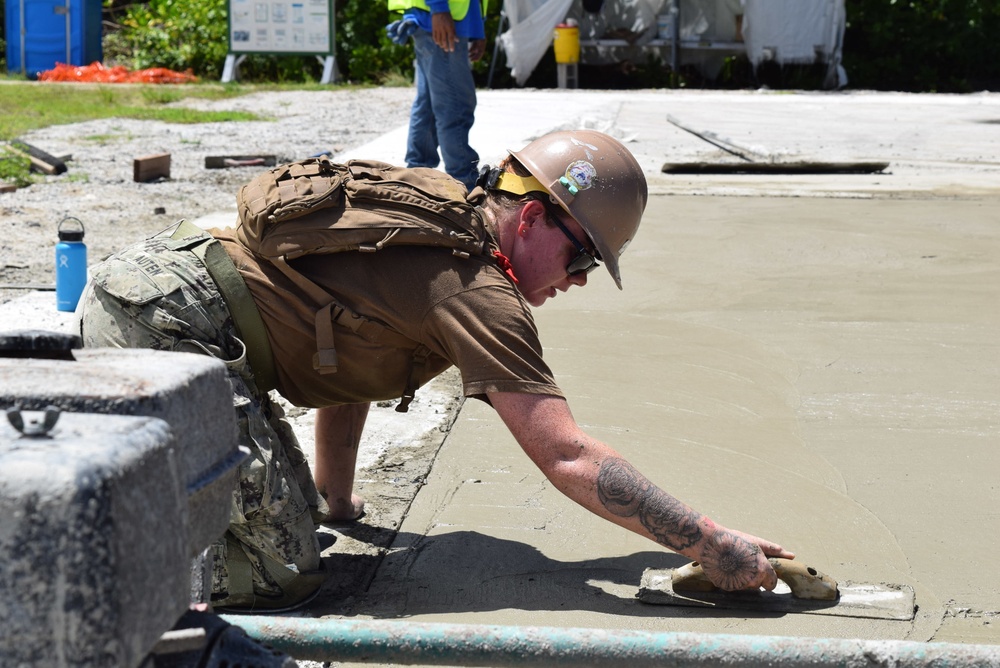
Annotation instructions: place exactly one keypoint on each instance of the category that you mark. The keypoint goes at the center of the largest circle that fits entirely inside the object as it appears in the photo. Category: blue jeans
(443, 111)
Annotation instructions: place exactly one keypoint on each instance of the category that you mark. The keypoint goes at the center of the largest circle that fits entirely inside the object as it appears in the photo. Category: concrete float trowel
(801, 588)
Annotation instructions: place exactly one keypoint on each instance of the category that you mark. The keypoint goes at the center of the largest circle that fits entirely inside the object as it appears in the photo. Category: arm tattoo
(730, 561)
(626, 493)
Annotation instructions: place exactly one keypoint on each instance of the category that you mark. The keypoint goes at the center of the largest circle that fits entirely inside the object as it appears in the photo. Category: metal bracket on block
(34, 428)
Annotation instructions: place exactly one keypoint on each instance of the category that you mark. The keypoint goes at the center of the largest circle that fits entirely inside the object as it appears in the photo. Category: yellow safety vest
(458, 8)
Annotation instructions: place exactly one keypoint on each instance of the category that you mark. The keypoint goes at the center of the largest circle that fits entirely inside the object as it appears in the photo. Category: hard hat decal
(579, 176)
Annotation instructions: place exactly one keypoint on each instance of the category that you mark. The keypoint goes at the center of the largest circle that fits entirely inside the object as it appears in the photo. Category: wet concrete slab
(820, 372)
(812, 359)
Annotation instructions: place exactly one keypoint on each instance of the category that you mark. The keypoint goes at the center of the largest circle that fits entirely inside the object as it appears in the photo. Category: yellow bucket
(567, 44)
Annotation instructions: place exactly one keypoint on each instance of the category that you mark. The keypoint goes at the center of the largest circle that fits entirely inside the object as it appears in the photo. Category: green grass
(28, 105)
(14, 169)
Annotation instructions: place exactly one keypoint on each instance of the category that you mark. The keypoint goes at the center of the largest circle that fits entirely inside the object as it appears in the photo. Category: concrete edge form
(415, 643)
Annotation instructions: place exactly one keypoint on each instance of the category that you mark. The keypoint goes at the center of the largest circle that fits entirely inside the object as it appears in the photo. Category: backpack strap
(419, 359)
(237, 296)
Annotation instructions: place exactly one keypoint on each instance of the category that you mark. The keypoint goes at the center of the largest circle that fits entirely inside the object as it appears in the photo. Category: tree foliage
(923, 45)
(177, 34)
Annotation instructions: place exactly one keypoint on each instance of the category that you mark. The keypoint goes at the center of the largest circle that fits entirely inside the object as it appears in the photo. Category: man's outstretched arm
(601, 480)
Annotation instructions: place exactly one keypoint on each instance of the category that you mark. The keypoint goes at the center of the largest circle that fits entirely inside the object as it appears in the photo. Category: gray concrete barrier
(118, 469)
(90, 574)
(189, 392)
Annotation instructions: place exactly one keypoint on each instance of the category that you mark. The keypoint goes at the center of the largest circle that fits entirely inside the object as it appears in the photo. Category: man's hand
(735, 560)
(443, 31)
(477, 49)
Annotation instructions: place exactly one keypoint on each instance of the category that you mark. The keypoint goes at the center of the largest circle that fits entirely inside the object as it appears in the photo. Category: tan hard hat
(597, 181)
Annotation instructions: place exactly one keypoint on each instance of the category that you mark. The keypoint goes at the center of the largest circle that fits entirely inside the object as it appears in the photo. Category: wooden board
(40, 160)
(151, 167)
(774, 167)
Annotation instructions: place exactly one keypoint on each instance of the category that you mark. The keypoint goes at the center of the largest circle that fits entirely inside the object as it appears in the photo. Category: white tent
(784, 31)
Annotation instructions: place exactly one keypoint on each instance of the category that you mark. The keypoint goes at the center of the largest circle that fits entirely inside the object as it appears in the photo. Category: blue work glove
(399, 31)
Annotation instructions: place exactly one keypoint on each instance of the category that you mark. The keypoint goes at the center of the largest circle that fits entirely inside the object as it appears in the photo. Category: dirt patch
(98, 187)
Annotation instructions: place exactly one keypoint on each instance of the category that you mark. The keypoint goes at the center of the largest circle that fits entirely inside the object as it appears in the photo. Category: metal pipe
(413, 643)
(675, 39)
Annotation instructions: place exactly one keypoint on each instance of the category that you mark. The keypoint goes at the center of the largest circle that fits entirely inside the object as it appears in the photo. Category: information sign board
(281, 27)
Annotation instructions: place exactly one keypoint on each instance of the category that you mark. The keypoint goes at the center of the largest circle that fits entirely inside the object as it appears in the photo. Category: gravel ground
(397, 450)
(99, 189)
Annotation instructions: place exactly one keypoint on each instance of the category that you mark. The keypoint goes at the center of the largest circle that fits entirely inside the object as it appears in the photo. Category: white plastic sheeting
(796, 31)
(532, 24)
(785, 31)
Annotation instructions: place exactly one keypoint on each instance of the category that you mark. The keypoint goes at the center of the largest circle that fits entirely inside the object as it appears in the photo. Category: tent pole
(496, 46)
(675, 9)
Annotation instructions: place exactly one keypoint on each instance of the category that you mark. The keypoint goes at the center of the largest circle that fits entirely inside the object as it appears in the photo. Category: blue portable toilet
(41, 33)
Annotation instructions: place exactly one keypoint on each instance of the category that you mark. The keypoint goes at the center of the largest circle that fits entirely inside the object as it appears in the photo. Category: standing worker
(548, 215)
(448, 35)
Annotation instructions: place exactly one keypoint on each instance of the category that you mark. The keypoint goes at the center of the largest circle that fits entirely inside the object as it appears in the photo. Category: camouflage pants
(157, 295)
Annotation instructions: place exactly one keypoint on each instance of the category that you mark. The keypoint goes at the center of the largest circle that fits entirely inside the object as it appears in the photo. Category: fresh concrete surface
(941, 145)
(820, 372)
(810, 358)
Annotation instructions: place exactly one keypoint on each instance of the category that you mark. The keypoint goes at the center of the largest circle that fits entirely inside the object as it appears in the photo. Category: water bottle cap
(70, 235)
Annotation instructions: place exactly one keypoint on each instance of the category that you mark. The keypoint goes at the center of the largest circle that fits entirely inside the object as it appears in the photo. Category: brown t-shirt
(466, 311)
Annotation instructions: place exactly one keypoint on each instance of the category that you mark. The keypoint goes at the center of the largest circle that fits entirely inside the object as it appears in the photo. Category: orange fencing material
(98, 73)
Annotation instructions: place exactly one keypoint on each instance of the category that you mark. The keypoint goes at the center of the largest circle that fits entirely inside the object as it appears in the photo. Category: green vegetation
(359, 24)
(923, 45)
(192, 34)
(27, 106)
(14, 169)
(176, 34)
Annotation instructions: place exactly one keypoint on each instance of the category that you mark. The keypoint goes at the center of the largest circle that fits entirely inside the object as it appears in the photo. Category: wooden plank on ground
(804, 167)
(151, 167)
(40, 160)
(7, 187)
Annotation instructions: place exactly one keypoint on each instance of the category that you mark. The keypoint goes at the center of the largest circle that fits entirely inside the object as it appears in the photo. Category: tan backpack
(317, 206)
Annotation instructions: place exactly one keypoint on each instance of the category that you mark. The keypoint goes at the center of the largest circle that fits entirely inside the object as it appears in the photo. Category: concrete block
(94, 564)
(189, 392)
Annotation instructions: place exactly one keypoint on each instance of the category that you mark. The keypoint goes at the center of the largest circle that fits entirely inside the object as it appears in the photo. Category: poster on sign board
(281, 26)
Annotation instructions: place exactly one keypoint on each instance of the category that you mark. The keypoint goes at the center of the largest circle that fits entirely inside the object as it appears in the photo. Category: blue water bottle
(71, 264)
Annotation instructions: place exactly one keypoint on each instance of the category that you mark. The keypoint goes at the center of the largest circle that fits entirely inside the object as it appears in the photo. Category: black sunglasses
(585, 261)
